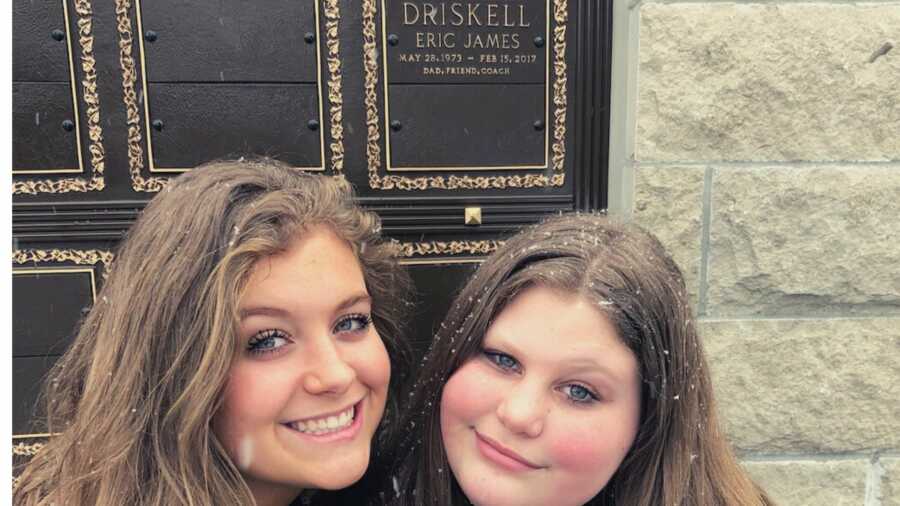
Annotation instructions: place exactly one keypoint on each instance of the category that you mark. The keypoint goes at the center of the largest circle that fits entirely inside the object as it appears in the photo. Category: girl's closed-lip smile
(503, 456)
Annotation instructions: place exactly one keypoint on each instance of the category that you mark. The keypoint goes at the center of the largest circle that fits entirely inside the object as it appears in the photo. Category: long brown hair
(133, 397)
(679, 456)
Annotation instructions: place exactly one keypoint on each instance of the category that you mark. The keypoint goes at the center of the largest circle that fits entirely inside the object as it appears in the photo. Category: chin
(493, 493)
(337, 483)
(493, 499)
(344, 476)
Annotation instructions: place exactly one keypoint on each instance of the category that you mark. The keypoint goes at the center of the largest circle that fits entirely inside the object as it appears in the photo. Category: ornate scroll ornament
(27, 445)
(133, 112)
(373, 135)
(335, 97)
(370, 64)
(432, 248)
(78, 257)
(92, 114)
(26, 450)
(560, 16)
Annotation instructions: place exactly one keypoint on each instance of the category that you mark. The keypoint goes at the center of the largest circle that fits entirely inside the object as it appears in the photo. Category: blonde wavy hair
(133, 397)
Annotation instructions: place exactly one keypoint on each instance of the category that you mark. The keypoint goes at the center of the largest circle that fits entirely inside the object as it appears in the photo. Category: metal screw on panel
(58, 35)
(309, 37)
(539, 125)
(393, 39)
(151, 36)
(68, 125)
(539, 41)
(396, 125)
(158, 125)
(312, 125)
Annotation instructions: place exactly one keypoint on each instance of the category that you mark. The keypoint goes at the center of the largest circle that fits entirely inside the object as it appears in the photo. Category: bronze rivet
(473, 216)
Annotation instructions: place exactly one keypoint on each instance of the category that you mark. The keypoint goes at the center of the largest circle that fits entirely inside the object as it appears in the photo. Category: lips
(343, 424)
(325, 424)
(503, 456)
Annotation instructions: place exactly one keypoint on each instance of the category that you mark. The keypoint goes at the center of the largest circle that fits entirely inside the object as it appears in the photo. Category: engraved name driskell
(465, 15)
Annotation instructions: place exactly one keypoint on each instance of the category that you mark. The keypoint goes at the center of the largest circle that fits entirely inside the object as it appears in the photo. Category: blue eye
(267, 341)
(502, 360)
(579, 394)
(353, 323)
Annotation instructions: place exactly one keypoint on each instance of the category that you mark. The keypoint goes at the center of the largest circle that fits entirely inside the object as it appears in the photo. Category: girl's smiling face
(308, 385)
(549, 409)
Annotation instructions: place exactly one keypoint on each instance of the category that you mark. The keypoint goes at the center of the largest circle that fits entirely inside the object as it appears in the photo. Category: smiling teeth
(326, 425)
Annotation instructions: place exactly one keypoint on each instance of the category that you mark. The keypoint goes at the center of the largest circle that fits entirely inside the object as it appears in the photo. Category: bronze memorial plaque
(466, 42)
(466, 84)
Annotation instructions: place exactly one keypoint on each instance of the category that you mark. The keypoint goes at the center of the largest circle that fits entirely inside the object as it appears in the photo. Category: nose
(327, 371)
(522, 410)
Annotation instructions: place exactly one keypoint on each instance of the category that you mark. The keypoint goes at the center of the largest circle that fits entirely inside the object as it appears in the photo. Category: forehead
(317, 260)
(551, 326)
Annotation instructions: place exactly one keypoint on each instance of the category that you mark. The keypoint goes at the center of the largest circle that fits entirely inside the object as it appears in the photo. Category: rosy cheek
(579, 449)
(252, 395)
(375, 366)
(588, 453)
(468, 393)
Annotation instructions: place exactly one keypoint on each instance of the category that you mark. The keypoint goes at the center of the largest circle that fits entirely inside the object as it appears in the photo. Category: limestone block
(668, 201)
(808, 81)
(889, 488)
(802, 483)
(793, 241)
(807, 386)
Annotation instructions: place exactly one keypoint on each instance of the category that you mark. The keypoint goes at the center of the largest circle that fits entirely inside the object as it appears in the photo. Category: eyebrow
(277, 311)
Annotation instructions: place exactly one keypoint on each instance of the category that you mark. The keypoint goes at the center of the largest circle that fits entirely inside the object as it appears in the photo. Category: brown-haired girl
(567, 372)
(240, 350)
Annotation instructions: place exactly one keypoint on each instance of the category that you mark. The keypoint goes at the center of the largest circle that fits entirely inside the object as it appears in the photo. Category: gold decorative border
(78, 257)
(26, 450)
(370, 98)
(335, 97)
(132, 110)
(92, 99)
(432, 248)
(561, 17)
(373, 135)
(22, 449)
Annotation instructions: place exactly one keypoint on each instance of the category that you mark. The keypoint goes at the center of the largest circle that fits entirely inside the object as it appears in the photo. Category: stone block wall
(762, 146)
